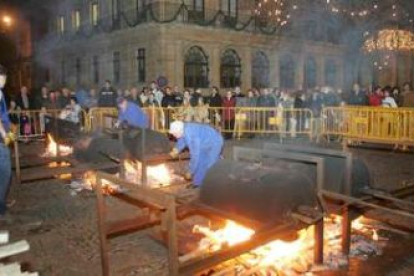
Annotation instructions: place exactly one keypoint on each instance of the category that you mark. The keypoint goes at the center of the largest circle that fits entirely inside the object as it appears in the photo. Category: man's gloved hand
(174, 153)
(188, 176)
(10, 137)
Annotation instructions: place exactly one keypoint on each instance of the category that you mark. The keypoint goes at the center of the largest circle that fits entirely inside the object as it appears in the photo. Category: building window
(78, 70)
(95, 69)
(94, 14)
(230, 69)
(116, 10)
(117, 67)
(230, 7)
(141, 64)
(196, 10)
(330, 73)
(196, 68)
(260, 70)
(76, 20)
(287, 72)
(61, 24)
(63, 72)
(310, 73)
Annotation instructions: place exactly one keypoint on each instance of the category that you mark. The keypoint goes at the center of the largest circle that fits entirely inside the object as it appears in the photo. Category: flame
(279, 255)
(375, 236)
(159, 174)
(52, 146)
(107, 187)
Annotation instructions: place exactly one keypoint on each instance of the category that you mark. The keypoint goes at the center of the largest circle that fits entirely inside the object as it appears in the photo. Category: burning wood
(158, 176)
(291, 257)
(52, 148)
(88, 182)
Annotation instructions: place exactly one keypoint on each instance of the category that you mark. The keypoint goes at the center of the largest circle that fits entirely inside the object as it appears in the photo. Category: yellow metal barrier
(370, 124)
(236, 121)
(30, 124)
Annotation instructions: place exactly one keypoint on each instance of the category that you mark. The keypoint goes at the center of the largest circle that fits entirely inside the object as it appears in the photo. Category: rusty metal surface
(267, 194)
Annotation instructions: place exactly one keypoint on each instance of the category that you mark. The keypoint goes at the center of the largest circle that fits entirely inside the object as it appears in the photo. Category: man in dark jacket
(107, 96)
(23, 100)
(357, 96)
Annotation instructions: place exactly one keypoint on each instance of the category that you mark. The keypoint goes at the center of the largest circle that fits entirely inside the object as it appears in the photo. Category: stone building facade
(190, 43)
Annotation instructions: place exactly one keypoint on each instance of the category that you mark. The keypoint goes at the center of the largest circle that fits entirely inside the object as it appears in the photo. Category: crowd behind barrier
(361, 115)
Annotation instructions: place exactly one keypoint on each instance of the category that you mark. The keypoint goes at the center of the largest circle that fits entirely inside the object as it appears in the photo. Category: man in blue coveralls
(5, 139)
(205, 145)
(131, 114)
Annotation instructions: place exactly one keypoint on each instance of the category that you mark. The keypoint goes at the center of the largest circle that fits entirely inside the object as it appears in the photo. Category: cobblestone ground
(61, 227)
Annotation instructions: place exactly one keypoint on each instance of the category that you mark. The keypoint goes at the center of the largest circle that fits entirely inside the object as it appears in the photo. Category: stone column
(274, 69)
(299, 70)
(320, 71)
(214, 65)
(246, 67)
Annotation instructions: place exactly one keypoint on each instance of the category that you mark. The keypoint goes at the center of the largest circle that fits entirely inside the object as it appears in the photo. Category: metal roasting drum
(259, 192)
(135, 144)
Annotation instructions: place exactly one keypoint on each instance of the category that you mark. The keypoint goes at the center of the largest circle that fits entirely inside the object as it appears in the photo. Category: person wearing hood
(204, 143)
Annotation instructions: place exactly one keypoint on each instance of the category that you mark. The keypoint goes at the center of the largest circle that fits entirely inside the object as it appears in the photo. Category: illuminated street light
(7, 20)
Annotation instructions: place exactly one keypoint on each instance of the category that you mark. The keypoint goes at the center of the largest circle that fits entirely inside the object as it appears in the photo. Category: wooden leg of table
(102, 227)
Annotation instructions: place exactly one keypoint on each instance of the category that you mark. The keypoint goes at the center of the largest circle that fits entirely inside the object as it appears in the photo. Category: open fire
(286, 257)
(158, 176)
(52, 148)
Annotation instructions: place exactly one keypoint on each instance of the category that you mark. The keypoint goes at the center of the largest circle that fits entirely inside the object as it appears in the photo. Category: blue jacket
(4, 114)
(134, 116)
(205, 145)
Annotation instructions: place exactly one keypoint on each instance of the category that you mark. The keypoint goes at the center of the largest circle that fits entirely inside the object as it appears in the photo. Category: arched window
(330, 72)
(230, 69)
(260, 70)
(287, 72)
(310, 73)
(196, 68)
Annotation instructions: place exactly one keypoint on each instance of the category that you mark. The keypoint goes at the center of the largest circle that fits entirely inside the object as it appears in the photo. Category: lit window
(287, 72)
(230, 69)
(61, 24)
(260, 70)
(94, 14)
(229, 7)
(196, 68)
(76, 20)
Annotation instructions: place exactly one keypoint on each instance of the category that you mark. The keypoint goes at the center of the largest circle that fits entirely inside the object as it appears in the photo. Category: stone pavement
(61, 227)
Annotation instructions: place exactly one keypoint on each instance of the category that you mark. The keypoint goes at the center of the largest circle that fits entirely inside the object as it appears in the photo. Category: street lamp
(7, 20)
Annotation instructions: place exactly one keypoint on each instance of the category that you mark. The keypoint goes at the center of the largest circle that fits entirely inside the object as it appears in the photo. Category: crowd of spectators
(196, 105)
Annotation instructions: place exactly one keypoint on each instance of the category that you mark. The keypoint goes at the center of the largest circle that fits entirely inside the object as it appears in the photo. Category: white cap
(177, 128)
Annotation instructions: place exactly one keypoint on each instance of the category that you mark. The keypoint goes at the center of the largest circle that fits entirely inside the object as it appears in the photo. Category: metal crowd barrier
(369, 124)
(238, 121)
(31, 124)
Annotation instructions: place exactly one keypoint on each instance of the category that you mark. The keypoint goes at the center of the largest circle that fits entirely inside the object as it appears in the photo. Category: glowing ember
(295, 257)
(52, 148)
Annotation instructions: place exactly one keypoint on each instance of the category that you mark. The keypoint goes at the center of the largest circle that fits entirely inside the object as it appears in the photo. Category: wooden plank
(151, 196)
(4, 237)
(10, 269)
(102, 227)
(13, 249)
(171, 222)
(128, 225)
(37, 174)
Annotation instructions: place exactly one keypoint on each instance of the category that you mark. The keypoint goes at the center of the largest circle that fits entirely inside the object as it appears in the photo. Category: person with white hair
(205, 144)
